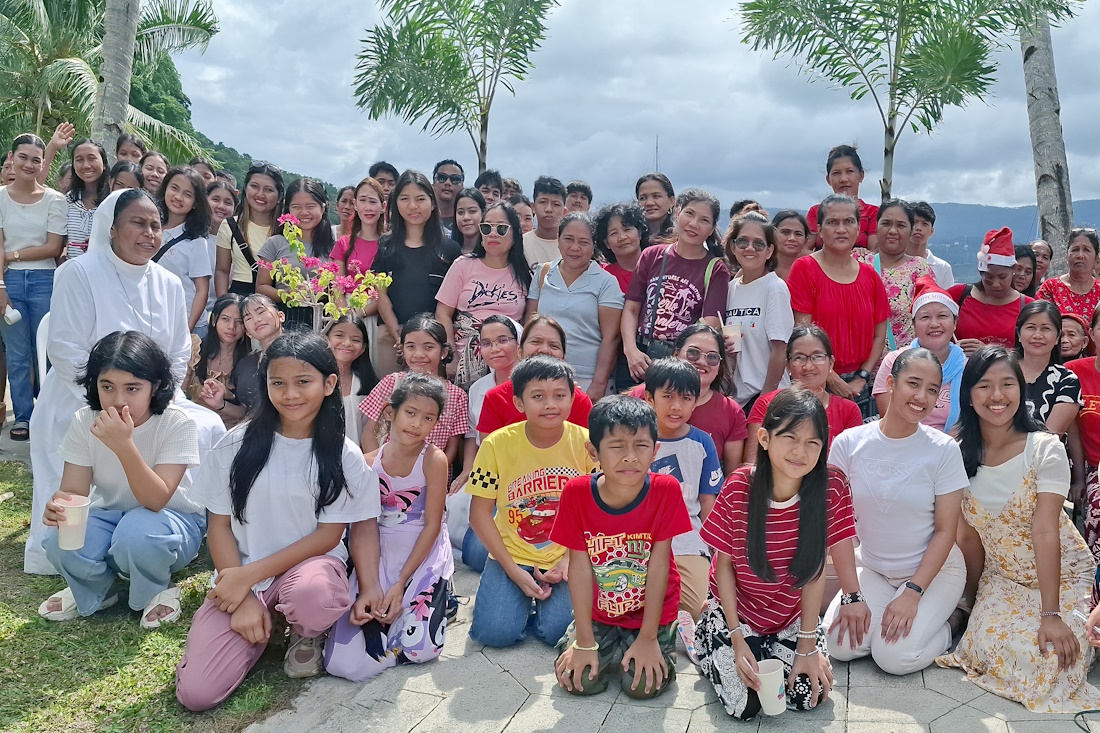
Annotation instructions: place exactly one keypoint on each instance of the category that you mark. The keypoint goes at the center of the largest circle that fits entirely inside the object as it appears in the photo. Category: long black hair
(668, 224)
(102, 186)
(1025, 252)
(321, 241)
(433, 229)
(211, 345)
(361, 367)
(968, 431)
(135, 353)
(265, 421)
(517, 260)
(196, 225)
(1048, 309)
(787, 410)
(476, 196)
(723, 380)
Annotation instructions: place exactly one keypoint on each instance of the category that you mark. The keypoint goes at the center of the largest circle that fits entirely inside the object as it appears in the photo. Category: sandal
(303, 658)
(21, 431)
(169, 597)
(68, 610)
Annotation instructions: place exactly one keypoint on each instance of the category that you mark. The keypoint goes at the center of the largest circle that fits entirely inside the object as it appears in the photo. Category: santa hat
(997, 249)
(926, 291)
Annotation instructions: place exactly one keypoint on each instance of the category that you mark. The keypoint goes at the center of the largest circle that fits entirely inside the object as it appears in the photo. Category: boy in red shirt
(618, 527)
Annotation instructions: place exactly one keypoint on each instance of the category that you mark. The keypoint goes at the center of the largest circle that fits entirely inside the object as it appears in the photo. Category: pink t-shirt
(362, 256)
(474, 288)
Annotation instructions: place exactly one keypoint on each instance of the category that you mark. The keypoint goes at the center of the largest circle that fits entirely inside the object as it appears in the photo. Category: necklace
(141, 324)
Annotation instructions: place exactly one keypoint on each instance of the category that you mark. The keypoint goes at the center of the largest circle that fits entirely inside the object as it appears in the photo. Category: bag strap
(164, 250)
(545, 270)
(656, 304)
(890, 343)
(242, 244)
(706, 277)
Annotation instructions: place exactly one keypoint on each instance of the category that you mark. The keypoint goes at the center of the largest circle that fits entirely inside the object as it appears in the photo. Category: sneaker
(685, 627)
(304, 657)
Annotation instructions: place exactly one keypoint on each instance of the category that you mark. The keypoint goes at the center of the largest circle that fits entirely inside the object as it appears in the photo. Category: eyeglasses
(500, 343)
(818, 358)
(487, 228)
(744, 243)
(455, 178)
(693, 355)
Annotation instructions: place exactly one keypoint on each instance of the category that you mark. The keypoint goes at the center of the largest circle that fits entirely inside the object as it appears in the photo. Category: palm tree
(441, 60)
(50, 50)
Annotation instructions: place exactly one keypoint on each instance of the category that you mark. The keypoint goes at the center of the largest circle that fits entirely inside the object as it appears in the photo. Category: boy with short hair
(578, 196)
(618, 527)
(688, 454)
(924, 226)
(489, 183)
(541, 245)
(510, 187)
(520, 470)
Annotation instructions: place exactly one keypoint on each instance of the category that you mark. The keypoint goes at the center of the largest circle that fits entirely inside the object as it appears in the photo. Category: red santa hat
(997, 249)
(926, 291)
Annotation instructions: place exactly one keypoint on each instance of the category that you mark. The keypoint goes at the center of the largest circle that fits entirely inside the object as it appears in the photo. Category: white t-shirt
(895, 483)
(993, 486)
(763, 308)
(170, 438)
(282, 504)
(477, 393)
(539, 250)
(26, 225)
(693, 461)
(941, 268)
(188, 259)
(353, 418)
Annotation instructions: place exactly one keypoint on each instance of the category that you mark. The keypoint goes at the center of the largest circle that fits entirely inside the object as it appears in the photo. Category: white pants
(930, 635)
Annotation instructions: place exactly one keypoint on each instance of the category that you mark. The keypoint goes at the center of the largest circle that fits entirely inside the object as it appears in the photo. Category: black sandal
(21, 431)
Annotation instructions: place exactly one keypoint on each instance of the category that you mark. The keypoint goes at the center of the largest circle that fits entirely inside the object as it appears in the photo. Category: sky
(610, 79)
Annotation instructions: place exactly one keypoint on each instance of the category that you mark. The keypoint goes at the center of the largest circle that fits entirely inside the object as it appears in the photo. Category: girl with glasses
(758, 317)
(493, 279)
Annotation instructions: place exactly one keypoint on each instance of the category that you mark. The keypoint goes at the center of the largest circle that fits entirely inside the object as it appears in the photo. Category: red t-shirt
(685, 295)
(768, 607)
(1068, 301)
(623, 276)
(868, 223)
(721, 418)
(841, 413)
(848, 313)
(499, 410)
(362, 255)
(619, 543)
(1088, 419)
(990, 324)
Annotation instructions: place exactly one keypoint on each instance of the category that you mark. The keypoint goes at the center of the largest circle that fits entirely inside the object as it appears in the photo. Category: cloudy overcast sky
(276, 83)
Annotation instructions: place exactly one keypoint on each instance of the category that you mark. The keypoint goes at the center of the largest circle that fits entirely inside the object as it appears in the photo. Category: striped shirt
(78, 228)
(770, 607)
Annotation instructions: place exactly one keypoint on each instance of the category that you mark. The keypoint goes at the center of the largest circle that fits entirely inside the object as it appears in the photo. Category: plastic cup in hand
(71, 530)
(733, 333)
(773, 693)
(12, 316)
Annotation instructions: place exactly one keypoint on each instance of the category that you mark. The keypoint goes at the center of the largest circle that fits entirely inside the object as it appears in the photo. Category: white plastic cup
(71, 531)
(733, 333)
(12, 316)
(773, 693)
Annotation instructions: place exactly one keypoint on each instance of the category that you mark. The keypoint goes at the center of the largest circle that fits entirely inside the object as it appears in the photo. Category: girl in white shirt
(348, 339)
(907, 481)
(184, 250)
(280, 492)
(129, 449)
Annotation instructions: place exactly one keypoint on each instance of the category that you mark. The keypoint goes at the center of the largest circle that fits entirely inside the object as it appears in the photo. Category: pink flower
(346, 283)
(263, 264)
(315, 285)
(311, 262)
(289, 218)
(331, 267)
(285, 261)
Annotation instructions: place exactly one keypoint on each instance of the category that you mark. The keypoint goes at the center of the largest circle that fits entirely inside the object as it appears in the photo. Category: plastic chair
(40, 341)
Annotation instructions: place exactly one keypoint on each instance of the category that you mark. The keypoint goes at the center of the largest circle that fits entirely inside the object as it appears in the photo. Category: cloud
(610, 80)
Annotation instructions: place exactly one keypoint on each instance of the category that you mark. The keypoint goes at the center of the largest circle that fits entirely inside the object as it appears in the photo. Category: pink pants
(312, 596)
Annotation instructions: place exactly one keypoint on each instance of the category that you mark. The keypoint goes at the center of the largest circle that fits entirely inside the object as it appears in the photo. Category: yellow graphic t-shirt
(526, 482)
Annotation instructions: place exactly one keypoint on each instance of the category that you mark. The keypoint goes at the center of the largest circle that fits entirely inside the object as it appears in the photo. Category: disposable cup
(733, 333)
(71, 530)
(773, 693)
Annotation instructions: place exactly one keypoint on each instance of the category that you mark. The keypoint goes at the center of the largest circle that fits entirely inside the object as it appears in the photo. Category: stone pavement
(475, 688)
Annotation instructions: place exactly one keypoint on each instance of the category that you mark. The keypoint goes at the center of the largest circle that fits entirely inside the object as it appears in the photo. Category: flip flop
(68, 610)
(169, 597)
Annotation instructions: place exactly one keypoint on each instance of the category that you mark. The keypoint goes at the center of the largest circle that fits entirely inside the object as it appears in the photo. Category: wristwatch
(913, 586)
(864, 375)
(15, 255)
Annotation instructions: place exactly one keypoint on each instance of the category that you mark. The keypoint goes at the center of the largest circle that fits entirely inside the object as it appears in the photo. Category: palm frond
(73, 82)
(168, 26)
(177, 145)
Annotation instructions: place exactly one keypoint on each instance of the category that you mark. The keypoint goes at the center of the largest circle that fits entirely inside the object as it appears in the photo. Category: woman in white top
(759, 304)
(184, 251)
(114, 287)
(1029, 571)
(907, 481)
(133, 447)
(32, 232)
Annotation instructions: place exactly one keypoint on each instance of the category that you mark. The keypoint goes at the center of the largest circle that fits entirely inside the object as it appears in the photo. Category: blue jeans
(143, 545)
(502, 612)
(474, 552)
(30, 292)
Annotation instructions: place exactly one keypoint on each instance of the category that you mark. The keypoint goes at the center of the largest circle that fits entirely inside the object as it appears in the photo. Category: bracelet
(222, 407)
(807, 634)
(808, 654)
(3, 286)
(914, 587)
(849, 598)
(586, 648)
(1050, 614)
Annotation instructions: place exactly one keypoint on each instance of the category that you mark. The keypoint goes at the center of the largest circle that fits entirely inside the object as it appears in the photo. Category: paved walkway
(475, 688)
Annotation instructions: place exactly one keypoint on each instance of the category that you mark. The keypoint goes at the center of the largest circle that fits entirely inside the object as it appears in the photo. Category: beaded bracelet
(807, 634)
(586, 648)
(808, 654)
(849, 598)
(1050, 614)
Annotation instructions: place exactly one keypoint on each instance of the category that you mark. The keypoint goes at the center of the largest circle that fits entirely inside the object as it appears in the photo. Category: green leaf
(170, 26)
(176, 144)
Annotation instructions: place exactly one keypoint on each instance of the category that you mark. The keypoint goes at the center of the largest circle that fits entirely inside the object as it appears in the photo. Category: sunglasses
(487, 229)
(744, 243)
(455, 178)
(693, 355)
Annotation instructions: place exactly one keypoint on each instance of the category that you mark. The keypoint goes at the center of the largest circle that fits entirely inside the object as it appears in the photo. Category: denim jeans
(30, 292)
(143, 545)
(502, 612)
(474, 552)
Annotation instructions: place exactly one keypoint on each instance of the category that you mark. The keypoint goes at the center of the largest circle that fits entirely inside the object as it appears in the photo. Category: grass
(104, 673)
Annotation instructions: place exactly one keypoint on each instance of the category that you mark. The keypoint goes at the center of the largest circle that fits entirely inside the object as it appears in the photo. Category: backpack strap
(164, 250)
(545, 270)
(242, 244)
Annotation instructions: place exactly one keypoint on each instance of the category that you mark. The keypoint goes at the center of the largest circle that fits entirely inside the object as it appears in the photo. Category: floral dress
(899, 282)
(1000, 650)
(1068, 301)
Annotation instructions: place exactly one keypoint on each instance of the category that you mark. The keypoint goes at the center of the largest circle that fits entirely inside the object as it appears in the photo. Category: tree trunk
(1047, 144)
(887, 182)
(483, 148)
(120, 23)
